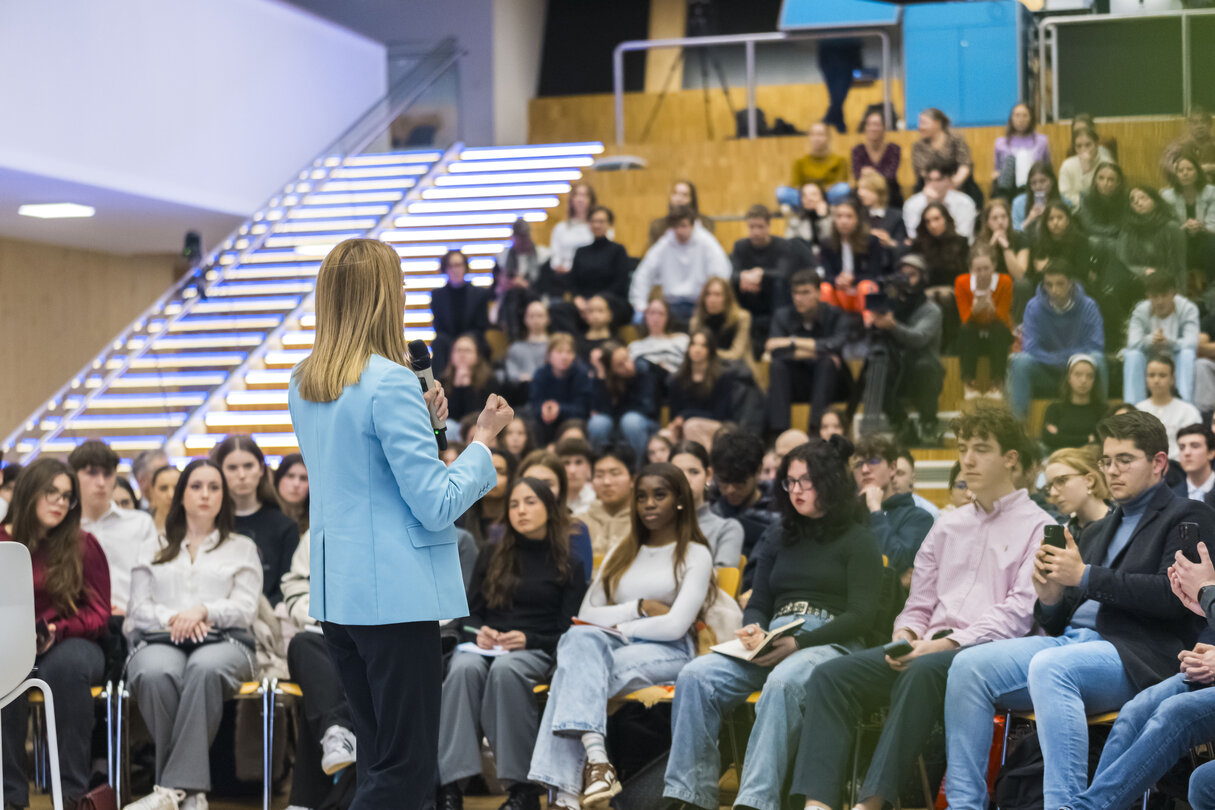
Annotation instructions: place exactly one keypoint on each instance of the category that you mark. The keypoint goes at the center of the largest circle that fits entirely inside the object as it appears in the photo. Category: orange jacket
(1001, 298)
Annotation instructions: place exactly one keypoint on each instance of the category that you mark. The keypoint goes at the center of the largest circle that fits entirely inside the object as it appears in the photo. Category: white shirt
(925, 504)
(960, 206)
(225, 578)
(681, 269)
(582, 503)
(1198, 493)
(121, 533)
(652, 576)
(565, 240)
(1176, 415)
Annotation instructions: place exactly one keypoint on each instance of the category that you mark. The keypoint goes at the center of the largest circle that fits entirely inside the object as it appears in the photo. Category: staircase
(214, 354)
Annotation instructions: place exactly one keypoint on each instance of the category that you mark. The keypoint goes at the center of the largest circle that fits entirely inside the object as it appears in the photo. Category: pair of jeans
(593, 666)
(1134, 373)
(1062, 679)
(1154, 730)
(1028, 377)
(712, 686)
(634, 426)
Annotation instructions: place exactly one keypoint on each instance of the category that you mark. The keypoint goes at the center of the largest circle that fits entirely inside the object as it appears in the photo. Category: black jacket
(1139, 614)
(473, 316)
(829, 329)
(874, 263)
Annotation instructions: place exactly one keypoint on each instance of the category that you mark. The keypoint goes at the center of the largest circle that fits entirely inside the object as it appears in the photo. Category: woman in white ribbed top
(650, 590)
(194, 594)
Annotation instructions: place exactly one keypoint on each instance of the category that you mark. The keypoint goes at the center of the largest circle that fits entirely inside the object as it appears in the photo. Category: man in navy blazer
(458, 308)
(1195, 452)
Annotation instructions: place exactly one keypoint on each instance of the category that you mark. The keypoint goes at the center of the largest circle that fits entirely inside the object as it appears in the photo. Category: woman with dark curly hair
(819, 564)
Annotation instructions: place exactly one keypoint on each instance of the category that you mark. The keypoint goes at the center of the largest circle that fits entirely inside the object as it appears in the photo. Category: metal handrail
(1051, 23)
(748, 41)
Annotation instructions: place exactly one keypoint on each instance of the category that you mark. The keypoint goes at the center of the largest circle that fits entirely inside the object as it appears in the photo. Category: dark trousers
(991, 340)
(393, 677)
(915, 376)
(792, 381)
(846, 690)
(324, 705)
(71, 668)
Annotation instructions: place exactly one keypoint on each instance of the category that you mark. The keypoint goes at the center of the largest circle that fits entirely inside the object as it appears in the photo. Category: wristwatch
(641, 610)
(1202, 590)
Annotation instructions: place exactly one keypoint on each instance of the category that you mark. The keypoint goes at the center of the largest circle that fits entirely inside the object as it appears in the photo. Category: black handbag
(190, 645)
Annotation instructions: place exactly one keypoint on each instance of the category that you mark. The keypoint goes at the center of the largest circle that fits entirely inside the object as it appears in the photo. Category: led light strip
(472, 206)
(550, 150)
(282, 270)
(246, 305)
(403, 170)
(230, 419)
(440, 220)
(185, 360)
(256, 398)
(485, 248)
(206, 441)
(522, 164)
(367, 185)
(323, 212)
(435, 234)
(368, 197)
(168, 420)
(493, 191)
(388, 158)
(204, 379)
(237, 322)
(125, 401)
(209, 341)
(310, 225)
(507, 177)
(268, 376)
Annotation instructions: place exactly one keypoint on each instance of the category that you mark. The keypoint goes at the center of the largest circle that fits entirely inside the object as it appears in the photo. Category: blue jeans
(1134, 374)
(1202, 787)
(593, 666)
(792, 197)
(713, 685)
(1061, 679)
(1152, 732)
(1027, 377)
(634, 426)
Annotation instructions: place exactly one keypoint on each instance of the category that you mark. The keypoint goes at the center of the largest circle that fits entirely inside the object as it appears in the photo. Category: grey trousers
(491, 697)
(181, 698)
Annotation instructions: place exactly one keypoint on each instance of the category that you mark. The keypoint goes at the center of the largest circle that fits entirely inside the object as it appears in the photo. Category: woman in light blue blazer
(385, 568)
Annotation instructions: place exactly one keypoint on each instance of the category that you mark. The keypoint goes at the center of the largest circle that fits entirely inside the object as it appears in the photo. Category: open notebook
(735, 648)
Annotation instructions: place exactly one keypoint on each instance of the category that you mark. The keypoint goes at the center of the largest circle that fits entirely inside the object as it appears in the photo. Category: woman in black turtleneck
(524, 590)
(602, 268)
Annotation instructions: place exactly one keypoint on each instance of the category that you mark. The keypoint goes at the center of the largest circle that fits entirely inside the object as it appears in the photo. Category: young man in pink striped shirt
(971, 584)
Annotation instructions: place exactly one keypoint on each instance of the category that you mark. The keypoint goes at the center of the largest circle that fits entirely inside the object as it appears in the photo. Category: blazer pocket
(421, 537)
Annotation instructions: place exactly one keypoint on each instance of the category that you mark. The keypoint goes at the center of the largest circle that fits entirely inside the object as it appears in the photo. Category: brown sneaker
(599, 784)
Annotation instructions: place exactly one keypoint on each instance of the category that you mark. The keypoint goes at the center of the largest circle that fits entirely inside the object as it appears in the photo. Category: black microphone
(419, 358)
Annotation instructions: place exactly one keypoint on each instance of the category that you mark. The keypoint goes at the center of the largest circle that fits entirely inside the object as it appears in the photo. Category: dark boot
(449, 797)
(522, 797)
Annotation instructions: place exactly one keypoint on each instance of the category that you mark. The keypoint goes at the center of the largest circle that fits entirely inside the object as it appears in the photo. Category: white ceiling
(124, 223)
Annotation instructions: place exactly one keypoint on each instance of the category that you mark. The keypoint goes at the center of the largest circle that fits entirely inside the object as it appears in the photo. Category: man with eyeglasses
(1195, 453)
(970, 585)
(899, 525)
(1115, 627)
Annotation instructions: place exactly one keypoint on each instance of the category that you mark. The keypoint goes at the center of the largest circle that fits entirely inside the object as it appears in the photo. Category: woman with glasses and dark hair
(291, 486)
(71, 608)
(194, 596)
(820, 565)
(256, 509)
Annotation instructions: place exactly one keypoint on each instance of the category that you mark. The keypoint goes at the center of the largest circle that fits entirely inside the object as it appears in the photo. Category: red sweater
(92, 604)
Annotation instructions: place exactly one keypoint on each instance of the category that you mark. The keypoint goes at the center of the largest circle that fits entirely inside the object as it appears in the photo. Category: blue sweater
(571, 391)
(1052, 337)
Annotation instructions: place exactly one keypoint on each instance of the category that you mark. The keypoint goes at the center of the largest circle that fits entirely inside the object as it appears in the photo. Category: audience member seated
(1076, 172)
(291, 487)
(898, 524)
(124, 494)
(1029, 207)
(937, 144)
(820, 565)
(597, 314)
(1017, 149)
(486, 519)
(547, 467)
(524, 591)
(72, 607)
(652, 589)
(467, 380)
(325, 742)
(984, 300)
(603, 268)
(518, 278)
(626, 397)
(885, 218)
(724, 535)
(944, 254)
(700, 396)
(1077, 487)
(1192, 198)
(904, 481)
(457, 308)
(805, 344)
(908, 338)
(971, 586)
(516, 438)
(159, 494)
(876, 153)
(1196, 453)
(1060, 321)
(1071, 420)
(938, 188)
(810, 222)
(1166, 323)
(663, 345)
(1197, 141)
(576, 455)
(610, 518)
(1010, 245)
(680, 262)
(525, 356)
(574, 231)
(826, 169)
(658, 450)
(561, 388)
(194, 596)
(959, 492)
(1114, 627)
(853, 259)
(146, 463)
(1162, 402)
(1060, 239)
(1150, 241)
(731, 326)
(762, 264)
(1103, 207)
(683, 194)
(571, 429)
(255, 509)
(832, 424)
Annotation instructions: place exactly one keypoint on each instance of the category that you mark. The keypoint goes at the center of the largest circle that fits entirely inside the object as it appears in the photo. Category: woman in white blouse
(575, 231)
(644, 604)
(194, 594)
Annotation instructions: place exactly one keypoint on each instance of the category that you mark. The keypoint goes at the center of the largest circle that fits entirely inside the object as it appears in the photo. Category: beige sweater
(296, 587)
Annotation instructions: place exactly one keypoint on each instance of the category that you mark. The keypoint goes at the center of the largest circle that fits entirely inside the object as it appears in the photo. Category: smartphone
(1054, 537)
(42, 632)
(877, 302)
(897, 649)
(1189, 540)
(1039, 198)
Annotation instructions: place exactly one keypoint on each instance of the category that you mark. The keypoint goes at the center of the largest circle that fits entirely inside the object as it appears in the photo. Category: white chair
(18, 647)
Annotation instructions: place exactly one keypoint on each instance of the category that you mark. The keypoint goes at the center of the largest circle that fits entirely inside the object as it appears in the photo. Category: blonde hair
(872, 179)
(360, 308)
(730, 311)
(1084, 461)
(559, 340)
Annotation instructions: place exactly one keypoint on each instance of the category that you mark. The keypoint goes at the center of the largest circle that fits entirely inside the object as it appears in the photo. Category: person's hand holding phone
(919, 648)
(1193, 576)
(1060, 565)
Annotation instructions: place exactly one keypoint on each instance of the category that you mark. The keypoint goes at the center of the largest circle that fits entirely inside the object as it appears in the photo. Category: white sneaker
(338, 745)
(195, 801)
(972, 393)
(160, 799)
(297, 807)
(995, 393)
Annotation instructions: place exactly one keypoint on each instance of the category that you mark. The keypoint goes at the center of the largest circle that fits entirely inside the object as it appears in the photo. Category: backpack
(1019, 783)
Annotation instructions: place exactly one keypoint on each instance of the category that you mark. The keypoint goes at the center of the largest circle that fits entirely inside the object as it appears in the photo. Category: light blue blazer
(382, 504)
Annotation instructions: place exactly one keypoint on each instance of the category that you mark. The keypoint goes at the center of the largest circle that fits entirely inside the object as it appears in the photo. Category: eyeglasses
(53, 496)
(804, 484)
(1118, 462)
(863, 462)
(960, 485)
(1059, 481)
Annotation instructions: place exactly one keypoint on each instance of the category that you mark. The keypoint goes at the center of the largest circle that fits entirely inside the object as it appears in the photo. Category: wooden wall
(59, 307)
